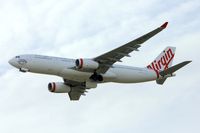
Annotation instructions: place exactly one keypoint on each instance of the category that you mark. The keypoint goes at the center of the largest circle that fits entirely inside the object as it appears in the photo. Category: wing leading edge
(108, 59)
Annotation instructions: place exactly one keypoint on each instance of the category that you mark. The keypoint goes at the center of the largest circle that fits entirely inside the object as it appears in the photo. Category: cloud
(88, 28)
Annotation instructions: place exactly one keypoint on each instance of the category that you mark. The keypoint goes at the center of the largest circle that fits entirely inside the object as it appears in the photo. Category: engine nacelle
(58, 87)
(86, 64)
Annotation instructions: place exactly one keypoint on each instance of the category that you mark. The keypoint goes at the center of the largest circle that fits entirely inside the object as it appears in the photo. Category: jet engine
(58, 87)
(86, 64)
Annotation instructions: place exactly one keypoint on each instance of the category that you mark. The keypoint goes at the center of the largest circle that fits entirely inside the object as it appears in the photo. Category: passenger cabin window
(17, 56)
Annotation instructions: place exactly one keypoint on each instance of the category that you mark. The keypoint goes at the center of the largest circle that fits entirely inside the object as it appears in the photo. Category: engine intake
(86, 64)
(58, 87)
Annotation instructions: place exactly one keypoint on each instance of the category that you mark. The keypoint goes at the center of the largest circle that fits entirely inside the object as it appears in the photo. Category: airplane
(82, 74)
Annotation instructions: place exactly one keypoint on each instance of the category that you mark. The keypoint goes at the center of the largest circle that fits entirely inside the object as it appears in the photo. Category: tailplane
(174, 68)
(169, 72)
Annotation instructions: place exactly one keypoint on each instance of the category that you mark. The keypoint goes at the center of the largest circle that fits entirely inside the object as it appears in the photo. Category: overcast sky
(77, 28)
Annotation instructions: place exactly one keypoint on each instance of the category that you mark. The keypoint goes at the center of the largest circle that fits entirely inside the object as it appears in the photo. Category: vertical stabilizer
(163, 60)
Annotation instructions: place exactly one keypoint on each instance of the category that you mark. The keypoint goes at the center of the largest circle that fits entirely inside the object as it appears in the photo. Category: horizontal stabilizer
(170, 71)
(174, 68)
(160, 81)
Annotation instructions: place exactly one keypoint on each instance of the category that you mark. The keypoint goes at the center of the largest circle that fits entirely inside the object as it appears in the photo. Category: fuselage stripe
(81, 63)
(54, 87)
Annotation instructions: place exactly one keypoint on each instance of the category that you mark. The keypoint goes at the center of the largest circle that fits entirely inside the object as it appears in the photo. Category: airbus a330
(82, 74)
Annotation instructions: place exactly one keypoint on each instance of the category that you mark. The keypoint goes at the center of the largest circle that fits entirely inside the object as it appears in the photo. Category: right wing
(108, 59)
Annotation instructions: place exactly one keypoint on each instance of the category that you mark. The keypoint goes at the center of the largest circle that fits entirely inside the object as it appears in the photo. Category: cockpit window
(17, 56)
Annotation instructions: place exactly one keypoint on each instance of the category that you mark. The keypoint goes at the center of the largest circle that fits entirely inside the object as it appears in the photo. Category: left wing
(77, 89)
(76, 93)
(108, 59)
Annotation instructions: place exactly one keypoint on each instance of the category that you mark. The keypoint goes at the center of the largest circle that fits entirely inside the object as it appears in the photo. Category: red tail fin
(164, 60)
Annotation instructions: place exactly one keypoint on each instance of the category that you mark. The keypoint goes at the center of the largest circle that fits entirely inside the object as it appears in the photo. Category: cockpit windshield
(17, 56)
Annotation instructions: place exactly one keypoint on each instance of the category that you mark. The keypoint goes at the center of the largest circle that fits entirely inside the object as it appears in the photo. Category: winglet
(164, 25)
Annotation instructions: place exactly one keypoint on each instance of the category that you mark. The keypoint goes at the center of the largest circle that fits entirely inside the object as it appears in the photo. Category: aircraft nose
(12, 62)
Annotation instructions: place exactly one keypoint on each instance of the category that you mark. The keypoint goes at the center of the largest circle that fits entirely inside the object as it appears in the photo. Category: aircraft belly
(45, 67)
(75, 75)
(133, 75)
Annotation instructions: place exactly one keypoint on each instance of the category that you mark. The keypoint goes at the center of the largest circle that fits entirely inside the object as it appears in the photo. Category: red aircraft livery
(163, 61)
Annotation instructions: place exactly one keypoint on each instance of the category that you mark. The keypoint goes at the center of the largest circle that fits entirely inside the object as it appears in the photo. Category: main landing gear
(96, 77)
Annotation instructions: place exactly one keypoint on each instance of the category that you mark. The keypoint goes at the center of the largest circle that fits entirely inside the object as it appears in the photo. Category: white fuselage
(65, 68)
